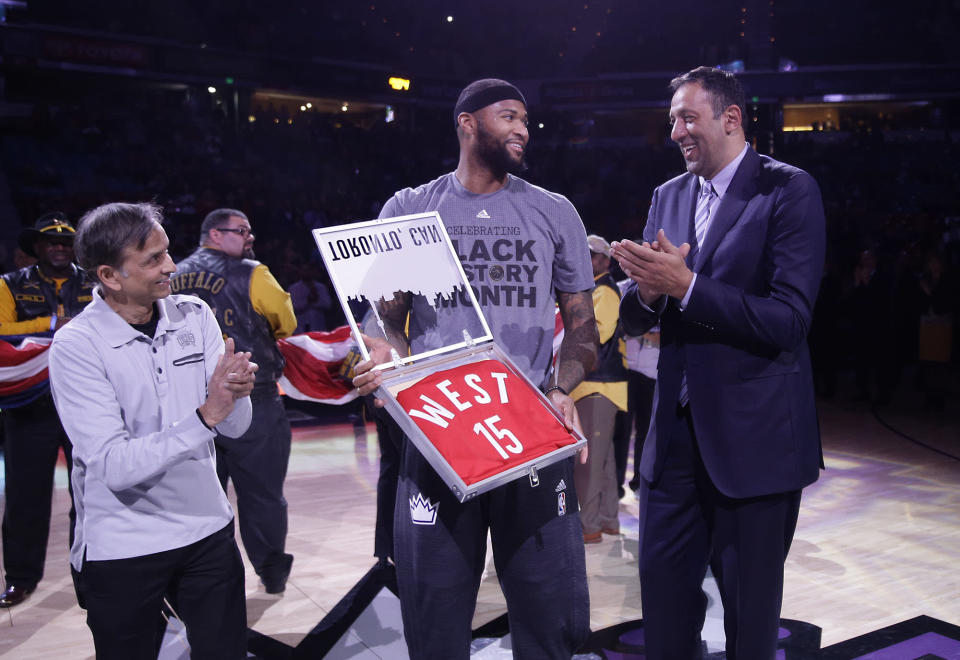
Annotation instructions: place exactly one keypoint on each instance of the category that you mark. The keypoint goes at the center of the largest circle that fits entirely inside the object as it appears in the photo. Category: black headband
(487, 96)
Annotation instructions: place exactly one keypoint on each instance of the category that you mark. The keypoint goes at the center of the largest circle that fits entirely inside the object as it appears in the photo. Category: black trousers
(203, 582)
(686, 525)
(635, 421)
(537, 549)
(34, 436)
(256, 462)
(391, 438)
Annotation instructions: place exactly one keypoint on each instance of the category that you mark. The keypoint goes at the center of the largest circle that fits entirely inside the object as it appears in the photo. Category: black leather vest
(223, 282)
(35, 294)
(610, 367)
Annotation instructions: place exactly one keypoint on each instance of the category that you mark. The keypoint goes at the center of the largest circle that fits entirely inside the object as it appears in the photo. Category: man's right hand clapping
(232, 379)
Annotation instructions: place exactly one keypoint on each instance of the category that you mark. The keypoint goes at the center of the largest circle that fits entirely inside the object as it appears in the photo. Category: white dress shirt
(144, 467)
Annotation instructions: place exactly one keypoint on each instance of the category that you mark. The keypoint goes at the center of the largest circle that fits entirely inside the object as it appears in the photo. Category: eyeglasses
(243, 231)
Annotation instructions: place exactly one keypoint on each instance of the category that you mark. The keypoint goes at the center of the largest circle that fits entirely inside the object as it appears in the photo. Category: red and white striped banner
(314, 369)
(23, 369)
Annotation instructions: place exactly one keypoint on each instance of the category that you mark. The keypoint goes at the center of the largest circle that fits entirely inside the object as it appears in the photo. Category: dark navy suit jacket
(742, 338)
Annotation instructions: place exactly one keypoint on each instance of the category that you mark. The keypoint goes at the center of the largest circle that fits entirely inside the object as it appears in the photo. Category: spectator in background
(311, 299)
(34, 299)
(254, 311)
(643, 353)
(938, 300)
(390, 437)
(866, 306)
(598, 397)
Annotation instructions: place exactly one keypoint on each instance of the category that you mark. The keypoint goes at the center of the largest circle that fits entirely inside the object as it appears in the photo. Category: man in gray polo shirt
(143, 382)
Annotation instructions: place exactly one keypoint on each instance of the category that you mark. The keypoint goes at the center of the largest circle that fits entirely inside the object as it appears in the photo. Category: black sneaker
(274, 579)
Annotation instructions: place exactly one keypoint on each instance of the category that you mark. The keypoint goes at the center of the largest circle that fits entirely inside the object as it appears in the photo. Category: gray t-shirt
(517, 246)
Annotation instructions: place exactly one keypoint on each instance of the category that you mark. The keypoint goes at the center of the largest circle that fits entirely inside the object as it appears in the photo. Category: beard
(496, 155)
(248, 253)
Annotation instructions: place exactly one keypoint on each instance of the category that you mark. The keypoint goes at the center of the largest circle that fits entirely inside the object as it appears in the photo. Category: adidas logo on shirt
(483, 214)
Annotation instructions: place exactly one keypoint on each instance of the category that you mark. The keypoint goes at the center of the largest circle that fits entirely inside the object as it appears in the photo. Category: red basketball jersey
(483, 419)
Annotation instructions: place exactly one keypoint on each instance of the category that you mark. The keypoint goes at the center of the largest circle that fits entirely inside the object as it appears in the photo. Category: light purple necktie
(702, 215)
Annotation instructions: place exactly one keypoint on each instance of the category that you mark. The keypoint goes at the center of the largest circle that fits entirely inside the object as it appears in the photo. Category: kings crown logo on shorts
(423, 511)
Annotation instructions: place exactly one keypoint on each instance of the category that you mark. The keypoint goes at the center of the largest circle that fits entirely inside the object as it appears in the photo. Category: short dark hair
(106, 231)
(724, 88)
(218, 218)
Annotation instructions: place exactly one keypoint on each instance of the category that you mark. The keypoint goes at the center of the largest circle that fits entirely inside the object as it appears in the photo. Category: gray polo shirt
(144, 467)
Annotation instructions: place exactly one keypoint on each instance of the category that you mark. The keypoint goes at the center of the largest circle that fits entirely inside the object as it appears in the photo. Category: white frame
(406, 370)
(324, 234)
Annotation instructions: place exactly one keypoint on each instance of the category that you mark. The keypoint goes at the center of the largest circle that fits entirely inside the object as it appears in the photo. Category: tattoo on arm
(578, 350)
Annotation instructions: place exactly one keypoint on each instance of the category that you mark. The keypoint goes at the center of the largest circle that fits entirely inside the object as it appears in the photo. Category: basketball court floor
(877, 543)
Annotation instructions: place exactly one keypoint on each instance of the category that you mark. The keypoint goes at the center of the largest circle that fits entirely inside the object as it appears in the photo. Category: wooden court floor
(878, 540)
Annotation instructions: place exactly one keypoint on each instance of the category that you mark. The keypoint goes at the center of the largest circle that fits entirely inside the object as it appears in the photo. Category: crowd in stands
(892, 208)
(573, 38)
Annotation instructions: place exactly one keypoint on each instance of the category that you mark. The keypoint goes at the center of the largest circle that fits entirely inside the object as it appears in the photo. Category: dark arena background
(311, 114)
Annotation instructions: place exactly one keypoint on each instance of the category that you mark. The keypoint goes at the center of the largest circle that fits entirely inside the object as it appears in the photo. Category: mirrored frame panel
(382, 267)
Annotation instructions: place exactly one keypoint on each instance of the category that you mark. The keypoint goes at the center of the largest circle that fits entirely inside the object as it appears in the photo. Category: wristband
(555, 387)
(203, 421)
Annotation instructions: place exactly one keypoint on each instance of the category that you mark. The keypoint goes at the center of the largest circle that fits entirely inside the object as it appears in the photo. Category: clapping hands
(658, 268)
(232, 379)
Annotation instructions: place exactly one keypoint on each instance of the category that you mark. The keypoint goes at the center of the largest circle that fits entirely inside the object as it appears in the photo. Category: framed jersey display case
(476, 417)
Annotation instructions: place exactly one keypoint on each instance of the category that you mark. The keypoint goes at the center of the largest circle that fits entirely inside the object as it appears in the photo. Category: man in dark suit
(729, 266)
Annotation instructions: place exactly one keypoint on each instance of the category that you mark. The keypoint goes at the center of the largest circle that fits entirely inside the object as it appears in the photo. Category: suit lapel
(742, 188)
(688, 204)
